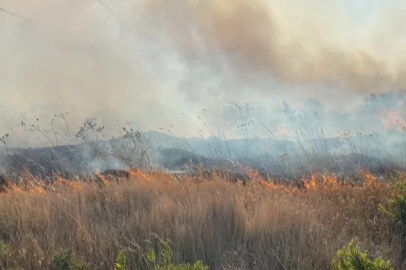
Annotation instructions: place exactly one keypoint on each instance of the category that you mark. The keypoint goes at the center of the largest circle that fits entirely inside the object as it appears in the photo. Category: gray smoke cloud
(150, 61)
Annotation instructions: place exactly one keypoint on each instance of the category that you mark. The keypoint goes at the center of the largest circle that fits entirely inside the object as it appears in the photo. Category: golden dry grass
(227, 225)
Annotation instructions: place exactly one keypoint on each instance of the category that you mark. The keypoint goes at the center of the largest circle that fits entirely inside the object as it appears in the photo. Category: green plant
(121, 261)
(66, 260)
(5, 253)
(164, 259)
(350, 258)
(396, 207)
(396, 213)
(4, 250)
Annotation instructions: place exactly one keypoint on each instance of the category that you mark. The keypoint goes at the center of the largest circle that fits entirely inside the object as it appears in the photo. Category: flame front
(312, 183)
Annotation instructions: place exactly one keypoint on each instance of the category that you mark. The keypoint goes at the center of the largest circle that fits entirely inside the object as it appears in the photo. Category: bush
(349, 258)
(121, 261)
(160, 260)
(164, 260)
(396, 208)
(66, 261)
(5, 254)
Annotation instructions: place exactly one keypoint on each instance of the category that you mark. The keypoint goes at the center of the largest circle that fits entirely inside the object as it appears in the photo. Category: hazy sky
(162, 58)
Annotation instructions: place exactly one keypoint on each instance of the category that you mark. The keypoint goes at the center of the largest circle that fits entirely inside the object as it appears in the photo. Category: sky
(154, 60)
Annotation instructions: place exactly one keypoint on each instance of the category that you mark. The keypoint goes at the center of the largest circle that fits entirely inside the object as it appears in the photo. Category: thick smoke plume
(152, 60)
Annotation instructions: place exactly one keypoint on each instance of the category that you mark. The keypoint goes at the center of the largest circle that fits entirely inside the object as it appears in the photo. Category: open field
(197, 135)
(225, 224)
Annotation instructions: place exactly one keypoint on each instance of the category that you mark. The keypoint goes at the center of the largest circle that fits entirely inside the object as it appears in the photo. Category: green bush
(121, 261)
(66, 261)
(396, 208)
(5, 254)
(163, 260)
(349, 258)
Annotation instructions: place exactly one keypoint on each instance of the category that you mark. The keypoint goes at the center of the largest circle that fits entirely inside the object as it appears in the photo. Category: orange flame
(254, 175)
(13, 188)
(395, 120)
(135, 173)
(35, 189)
(310, 184)
(369, 179)
(102, 177)
(330, 181)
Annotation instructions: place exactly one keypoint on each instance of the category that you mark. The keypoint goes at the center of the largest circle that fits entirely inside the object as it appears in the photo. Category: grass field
(227, 225)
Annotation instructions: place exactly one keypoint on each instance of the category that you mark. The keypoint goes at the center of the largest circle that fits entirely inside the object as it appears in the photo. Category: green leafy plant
(350, 258)
(66, 260)
(163, 260)
(395, 211)
(5, 254)
(396, 208)
(121, 261)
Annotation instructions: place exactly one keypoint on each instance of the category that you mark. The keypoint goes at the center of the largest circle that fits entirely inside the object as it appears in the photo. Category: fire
(254, 175)
(369, 179)
(102, 177)
(151, 177)
(332, 182)
(329, 182)
(62, 181)
(75, 185)
(394, 120)
(35, 189)
(13, 188)
(310, 183)
(135, 173)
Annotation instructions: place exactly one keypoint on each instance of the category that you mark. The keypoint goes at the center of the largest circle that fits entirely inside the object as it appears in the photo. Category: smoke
(150, 61)
(246, 38)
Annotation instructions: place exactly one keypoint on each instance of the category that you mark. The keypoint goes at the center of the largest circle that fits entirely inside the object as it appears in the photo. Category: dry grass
(227, 225)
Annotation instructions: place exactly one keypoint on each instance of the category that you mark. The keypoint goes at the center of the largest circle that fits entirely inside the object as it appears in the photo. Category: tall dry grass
(227, 225)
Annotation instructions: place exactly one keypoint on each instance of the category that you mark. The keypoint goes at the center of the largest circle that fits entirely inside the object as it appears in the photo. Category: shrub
(164, 260)
(66, 260)
(396, 208)
(5, 254)
(121, 261)
(349, 258)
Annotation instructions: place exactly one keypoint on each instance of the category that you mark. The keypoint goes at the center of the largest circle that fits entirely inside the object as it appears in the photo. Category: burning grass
(260, 225)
